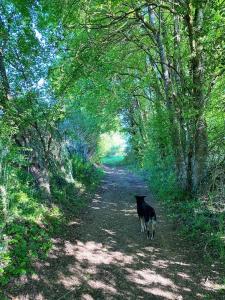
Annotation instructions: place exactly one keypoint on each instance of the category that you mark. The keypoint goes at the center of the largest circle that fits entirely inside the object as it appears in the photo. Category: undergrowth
(113, 160)
(200, 219)
(30, 222)
(25, 235)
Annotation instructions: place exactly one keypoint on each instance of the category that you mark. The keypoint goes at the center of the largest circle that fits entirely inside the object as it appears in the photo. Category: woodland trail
(103, 255)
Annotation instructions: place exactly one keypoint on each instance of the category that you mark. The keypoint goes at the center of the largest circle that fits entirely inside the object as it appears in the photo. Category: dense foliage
(47, 146)
(71, 71)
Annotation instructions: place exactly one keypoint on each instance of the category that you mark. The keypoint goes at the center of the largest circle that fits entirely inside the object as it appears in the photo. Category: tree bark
(170, 98)
(198, 145)
(41, 176)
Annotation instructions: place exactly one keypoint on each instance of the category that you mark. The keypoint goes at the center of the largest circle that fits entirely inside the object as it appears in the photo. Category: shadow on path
(104, 255)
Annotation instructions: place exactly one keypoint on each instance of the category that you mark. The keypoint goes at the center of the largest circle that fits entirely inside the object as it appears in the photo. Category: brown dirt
(103, 255)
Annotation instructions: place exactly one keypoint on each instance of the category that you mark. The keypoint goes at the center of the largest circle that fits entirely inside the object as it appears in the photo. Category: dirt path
(104, 255)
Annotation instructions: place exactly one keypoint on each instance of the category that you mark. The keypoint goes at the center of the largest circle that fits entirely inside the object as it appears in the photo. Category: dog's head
(140, 199)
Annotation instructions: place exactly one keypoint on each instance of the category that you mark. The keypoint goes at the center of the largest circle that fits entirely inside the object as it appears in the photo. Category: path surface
(104, 255)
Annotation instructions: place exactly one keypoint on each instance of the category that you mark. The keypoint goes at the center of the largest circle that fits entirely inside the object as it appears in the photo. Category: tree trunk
(5, 82)
(200, 153)
(41, 176)
(170, 98)
(194, 21)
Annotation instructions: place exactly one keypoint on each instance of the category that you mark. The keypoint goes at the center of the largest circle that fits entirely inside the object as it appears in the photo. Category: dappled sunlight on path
(103, 255)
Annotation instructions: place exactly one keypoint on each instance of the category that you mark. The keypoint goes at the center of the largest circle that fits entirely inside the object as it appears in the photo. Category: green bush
(199, 221)
(196, 218)
(67, 195)
(85, 172)
(27, 241)
(24, 236)
(71, 196)
(27, 222)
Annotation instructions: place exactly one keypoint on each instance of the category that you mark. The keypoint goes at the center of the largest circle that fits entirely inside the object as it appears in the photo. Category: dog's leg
(147, 228)
(142, 225)
(153, 229)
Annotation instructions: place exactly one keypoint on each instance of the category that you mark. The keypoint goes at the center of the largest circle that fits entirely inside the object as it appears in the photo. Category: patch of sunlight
(160, 263)
(22, 197)
(184, 275)
(40, 82)
(210, 285)
(71, 281)
(96, 254)
(179, 263)
(162, 293)
(146, 277)
(97, 284)
(86, 297)
(38, 35)
(129, 212)
(78, 185)
(72, 223)
(110, 232)
(222, 238)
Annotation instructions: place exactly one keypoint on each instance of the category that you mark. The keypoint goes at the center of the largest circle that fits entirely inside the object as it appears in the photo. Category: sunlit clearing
(113, 146)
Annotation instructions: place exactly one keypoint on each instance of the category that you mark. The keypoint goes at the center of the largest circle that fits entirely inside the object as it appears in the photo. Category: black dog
(146, 214)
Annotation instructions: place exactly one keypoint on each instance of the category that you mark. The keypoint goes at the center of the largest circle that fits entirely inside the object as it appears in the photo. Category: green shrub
(71, 196)
(24, 236)
(27, 241)
(197, 220)
(29, 222)
(67, 195)
(85, 172)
